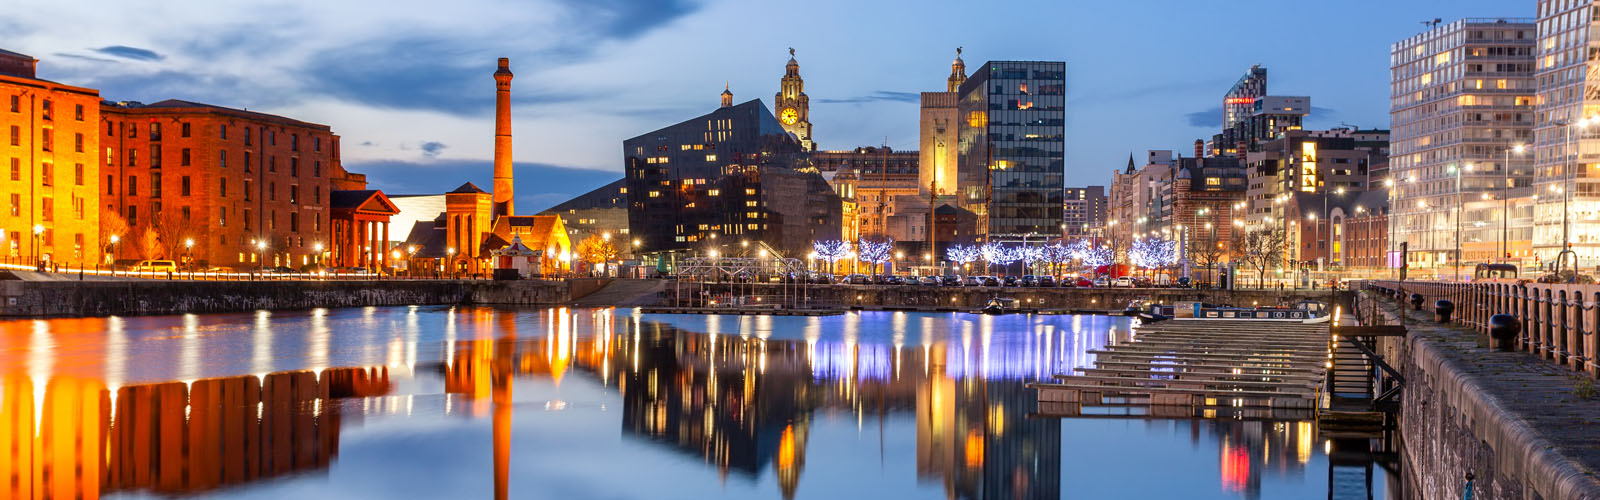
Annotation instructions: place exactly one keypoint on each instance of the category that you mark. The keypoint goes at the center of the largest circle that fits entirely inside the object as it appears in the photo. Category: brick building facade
(217, 186)
(47, 155)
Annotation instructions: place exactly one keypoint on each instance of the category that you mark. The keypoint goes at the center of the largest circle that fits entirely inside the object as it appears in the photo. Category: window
(222, 187)
(155, 156)
(272, 164)
(111, 129)
(77, 174)
(184, 189)
(155, 185)
(183, 129)
(77, 245)
(48, 108)
(316, 195)
(247, 162)
(133, 215)
(16, 169)
(47, 174)
(77, 112)
(316, 168)
(47, 209)
(272, 191)
(247, 136)
(111, 185)
(133, 185)
(133, 131)
(185, 211)
(294, 193)
(222, 131)
(294, 142)
(246, 219)
(183, 157)
(16, 104)
(16, 204)
(155, 131)
(222, 158)
(294, 167)
(77, 140)
(247, 193)
(45, 136)
(222, 220)
(294, 222)
(272, 138)
(316, 144)
(133, 156)
(16, 135)
(77, 207)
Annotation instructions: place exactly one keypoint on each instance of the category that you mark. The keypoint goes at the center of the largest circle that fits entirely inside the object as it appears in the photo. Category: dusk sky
(407, 84)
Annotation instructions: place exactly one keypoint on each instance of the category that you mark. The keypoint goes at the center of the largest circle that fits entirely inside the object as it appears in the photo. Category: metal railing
(1558, 321)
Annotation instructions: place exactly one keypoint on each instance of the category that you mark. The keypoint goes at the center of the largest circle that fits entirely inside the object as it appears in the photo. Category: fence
(1559, 322)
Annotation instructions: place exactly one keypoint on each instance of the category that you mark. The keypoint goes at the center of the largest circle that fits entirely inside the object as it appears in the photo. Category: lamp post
(261, 248)
(38, 231)
(1566, 196)
(188, 255)
(450, 257)
(111, 256)
(317, 255)
(1458, 172)
(1505, 204)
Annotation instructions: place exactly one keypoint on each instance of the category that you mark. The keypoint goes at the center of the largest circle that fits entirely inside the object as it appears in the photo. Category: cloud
(84, 58)
(1210, 118)
(126, 52)
(539, 185)
(431, 149)
(628, 19)
(876, 96)
(220, 89)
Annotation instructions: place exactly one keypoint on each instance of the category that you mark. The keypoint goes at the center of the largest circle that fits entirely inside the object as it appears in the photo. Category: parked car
(1009, 281)
(991, 281)
(929, 281)
(972, 281)
(894, 279)
(1083, 282)
(1183, 282)
(1047, 280)
(155, 266)
(1143, 282)
(1102, 282)
(1029, 280)
(950, 280)
(279, 270)
(1123, 282)
(856, 279)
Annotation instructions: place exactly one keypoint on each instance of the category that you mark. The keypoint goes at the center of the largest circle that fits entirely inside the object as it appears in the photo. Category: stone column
(385, 248)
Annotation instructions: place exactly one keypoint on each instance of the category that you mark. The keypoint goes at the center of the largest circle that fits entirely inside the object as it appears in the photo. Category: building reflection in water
(72, 437)
(743, 402)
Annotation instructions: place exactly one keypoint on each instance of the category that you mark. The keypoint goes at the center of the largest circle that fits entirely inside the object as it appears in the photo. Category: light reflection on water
(597, 404)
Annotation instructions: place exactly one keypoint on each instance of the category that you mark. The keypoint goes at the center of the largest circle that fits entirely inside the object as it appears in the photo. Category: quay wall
(964, 298)
(1508, 418)
(20, 298)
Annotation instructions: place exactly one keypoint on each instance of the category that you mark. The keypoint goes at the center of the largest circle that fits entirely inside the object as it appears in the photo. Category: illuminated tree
(876, 252)
(596, 250)
(1153, 253)
(961, 255)
(1094, 256)
(831, 251)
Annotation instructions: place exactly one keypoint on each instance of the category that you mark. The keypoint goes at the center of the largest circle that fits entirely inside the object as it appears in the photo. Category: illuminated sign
(1239, 100)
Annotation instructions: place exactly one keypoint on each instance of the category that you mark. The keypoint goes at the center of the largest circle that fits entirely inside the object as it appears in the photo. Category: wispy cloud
(876, 96)
(431, 149)
(1210, 118)
(126, 52)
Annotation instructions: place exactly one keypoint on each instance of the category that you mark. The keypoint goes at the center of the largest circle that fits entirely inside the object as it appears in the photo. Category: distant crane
(1433, 23)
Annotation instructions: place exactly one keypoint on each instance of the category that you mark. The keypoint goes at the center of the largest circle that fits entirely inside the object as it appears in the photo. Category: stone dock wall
(1511, 419)
(963, 298)
(138, 297)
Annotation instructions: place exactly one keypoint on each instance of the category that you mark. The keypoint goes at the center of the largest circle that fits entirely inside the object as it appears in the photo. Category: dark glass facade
(1011, 167)
(729, 174)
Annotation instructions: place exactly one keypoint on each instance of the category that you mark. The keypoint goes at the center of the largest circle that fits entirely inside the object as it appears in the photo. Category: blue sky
(407, 84)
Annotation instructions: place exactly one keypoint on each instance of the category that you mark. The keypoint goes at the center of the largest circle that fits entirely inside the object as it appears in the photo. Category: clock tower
(792, 105)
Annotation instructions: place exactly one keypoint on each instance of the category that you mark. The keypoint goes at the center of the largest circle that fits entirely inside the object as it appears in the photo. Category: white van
(155, 266)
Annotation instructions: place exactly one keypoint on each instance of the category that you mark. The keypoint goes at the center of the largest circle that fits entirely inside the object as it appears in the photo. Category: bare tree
(1207, 251)
(114, 227)
(1261, 249)
(171, 229)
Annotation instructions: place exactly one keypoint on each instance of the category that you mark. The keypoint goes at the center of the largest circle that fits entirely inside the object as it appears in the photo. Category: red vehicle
(1083, 282)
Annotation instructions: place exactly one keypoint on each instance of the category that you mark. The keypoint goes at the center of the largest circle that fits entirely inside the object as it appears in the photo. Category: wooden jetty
(1196, 368)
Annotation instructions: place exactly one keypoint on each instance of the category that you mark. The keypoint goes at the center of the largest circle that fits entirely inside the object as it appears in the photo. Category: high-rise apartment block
(1083, 210)
(1463, 97)
(1567, 134)
(1012, 130)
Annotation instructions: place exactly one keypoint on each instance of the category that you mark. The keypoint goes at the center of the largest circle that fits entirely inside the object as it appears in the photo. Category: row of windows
(185, 130)
(47, 109)
(46, 172)
(47, 207)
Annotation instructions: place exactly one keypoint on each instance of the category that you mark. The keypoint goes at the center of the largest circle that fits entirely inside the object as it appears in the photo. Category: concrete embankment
(971, 298)
(1525, 427)
(135, 297)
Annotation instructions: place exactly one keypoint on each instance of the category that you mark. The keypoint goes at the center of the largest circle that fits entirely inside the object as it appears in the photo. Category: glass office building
(1011, 148)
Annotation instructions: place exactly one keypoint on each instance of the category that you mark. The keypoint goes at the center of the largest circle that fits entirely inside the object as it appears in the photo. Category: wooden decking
(1241, 367)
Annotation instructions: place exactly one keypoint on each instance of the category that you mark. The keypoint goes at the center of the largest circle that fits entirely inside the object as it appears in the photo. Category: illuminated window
(714, 192)
(711, 157)
(655, 194)
(750, 191)
(1500, 84)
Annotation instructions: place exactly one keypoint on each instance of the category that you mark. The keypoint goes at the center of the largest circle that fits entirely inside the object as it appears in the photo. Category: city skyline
(407, 90)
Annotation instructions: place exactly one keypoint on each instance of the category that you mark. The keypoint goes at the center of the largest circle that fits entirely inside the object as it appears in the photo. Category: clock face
(789, 116)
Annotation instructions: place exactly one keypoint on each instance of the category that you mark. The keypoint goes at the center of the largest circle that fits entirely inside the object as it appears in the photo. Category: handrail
(1559, 321)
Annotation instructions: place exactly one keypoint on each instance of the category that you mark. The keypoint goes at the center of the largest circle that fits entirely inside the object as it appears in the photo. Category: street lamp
(188, 254)
(450, 256)
(38, 230)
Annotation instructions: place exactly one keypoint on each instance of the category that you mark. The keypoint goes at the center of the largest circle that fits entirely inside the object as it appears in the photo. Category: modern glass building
(721, 179)
(1011, 148)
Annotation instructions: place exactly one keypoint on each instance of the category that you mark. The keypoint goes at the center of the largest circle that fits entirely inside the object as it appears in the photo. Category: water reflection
(750, 398)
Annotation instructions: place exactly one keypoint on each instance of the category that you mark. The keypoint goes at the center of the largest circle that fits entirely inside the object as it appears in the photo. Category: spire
(1130, 163)
(727, 96)
(958, 73)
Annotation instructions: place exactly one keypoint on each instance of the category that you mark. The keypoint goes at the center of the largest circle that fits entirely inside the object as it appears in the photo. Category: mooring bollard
(1503, 329)
(1442, 309)
(1416, 301)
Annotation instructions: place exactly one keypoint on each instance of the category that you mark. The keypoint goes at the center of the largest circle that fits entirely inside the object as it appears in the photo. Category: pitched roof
(469, 188)
(491, 242)
(4, 52)
(429, 240)
(607, 196)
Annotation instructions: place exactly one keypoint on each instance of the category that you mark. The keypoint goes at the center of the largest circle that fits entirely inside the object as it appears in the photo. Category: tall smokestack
(504, 189)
